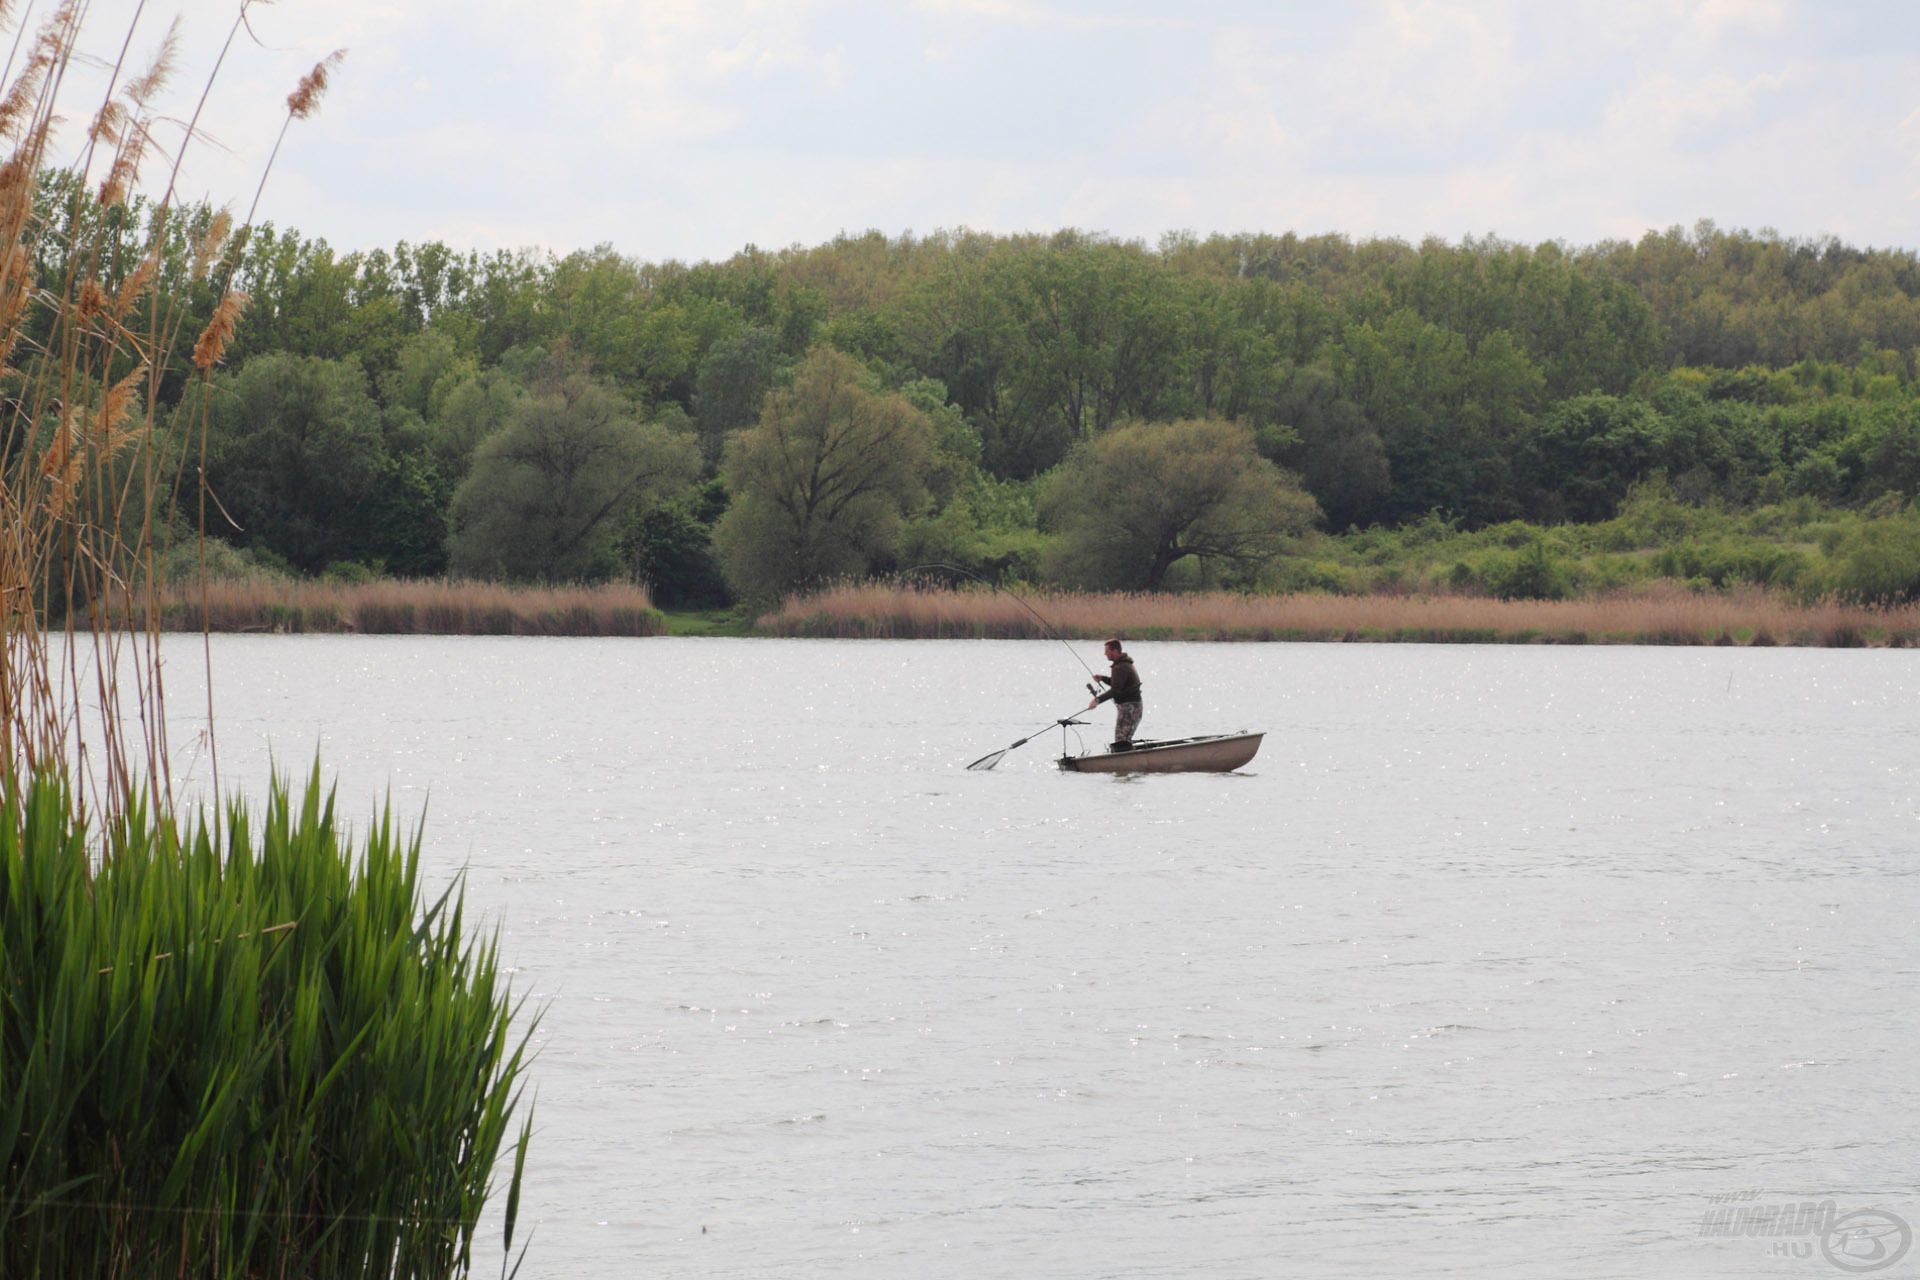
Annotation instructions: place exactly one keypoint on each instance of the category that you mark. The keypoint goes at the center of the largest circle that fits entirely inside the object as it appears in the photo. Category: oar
(993, 758)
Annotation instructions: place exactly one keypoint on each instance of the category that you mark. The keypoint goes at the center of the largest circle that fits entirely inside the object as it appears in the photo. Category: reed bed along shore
(1656, 616)
(400, 607)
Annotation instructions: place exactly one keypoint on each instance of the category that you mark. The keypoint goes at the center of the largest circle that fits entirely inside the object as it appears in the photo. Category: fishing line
(1000, 590)
(993, 758)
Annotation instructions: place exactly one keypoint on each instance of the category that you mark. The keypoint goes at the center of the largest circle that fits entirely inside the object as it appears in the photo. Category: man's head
(1114, 650)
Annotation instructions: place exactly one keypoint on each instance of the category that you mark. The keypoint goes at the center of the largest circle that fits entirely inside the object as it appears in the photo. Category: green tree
(406, 520)
(1048, 343)
(1102, 334)
(1585, 454)
(734, 380)
(512, 303)
(470, 412)
(427, 368)
(1130, 505)
(549, 493)
(1885, 448)
(821, 483)
(1407, 376)
(1230, 361)
(1338, 452)
(634, 325)
(669, 547)
(1504, 392)
(958, 327)
(308, 301)
(295, 457)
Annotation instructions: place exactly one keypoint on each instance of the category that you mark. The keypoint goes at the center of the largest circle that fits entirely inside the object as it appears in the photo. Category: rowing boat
(1211, 753)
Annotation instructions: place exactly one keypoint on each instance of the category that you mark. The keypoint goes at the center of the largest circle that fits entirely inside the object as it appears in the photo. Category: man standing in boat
(1123, 688)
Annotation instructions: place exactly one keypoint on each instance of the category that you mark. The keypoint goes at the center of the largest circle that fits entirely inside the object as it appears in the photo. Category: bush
(1297, 575)
(1613, 572)
(1652, 517)
(182, 562)
(957, 536)
(1879, 562)
(1779, 519)
(1732, 562)
(234, 1045)
(1531, 574)
(1514, 534)
(670, 549)
(350, 573)
(1817, 476)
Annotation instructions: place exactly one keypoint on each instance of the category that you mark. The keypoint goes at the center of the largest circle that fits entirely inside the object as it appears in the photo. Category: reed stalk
(230, 1046)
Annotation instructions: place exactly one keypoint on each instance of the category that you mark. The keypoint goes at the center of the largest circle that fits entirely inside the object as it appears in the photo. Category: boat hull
(1216, 753)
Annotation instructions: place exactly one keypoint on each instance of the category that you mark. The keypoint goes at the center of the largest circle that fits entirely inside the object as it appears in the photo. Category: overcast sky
(689, 128)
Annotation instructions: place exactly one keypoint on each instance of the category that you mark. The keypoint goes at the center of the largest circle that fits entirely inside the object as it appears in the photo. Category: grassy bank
(709, 622)
(401, 606)
(1656, 616)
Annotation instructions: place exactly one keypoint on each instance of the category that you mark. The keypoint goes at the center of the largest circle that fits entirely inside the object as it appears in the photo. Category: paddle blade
(988, 761)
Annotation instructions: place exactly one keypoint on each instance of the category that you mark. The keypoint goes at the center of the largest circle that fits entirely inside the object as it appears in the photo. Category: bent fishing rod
(1034, 613)
(993, 758)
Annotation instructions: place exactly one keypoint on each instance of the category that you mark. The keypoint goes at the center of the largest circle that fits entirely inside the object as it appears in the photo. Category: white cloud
(1031, 13)
(1714, 17)
(687, 127)
(1664, 107)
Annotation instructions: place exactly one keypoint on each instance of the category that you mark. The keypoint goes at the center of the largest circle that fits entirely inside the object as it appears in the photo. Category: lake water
(1496, 961)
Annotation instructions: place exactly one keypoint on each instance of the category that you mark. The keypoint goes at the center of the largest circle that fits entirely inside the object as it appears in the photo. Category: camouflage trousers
(1126, 719)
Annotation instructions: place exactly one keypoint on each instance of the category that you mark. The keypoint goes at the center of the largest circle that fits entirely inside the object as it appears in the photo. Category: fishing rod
(993, 758)
(995, 587)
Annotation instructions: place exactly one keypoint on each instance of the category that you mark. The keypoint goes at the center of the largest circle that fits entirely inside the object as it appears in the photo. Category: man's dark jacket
(1124, 686)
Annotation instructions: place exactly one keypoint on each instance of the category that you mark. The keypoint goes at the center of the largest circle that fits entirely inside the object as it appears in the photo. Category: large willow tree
(820, 485)
(1146, 496)
(549, 493)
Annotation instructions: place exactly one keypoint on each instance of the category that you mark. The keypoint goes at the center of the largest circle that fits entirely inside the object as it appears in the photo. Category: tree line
(1064, 407)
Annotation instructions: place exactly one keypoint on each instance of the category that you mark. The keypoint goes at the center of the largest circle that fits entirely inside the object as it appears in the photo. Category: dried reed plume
(208, 246)
(84, 345)
(305, 98)
(25, 97)
(301, 103)
(213, 340)
(124, 169)
(108, 124)
(196, 1017)
(142, 88)
(135, 285)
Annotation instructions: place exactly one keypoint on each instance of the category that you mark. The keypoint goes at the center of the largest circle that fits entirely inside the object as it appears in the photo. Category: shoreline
(1749, 618)
(1658, 617)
